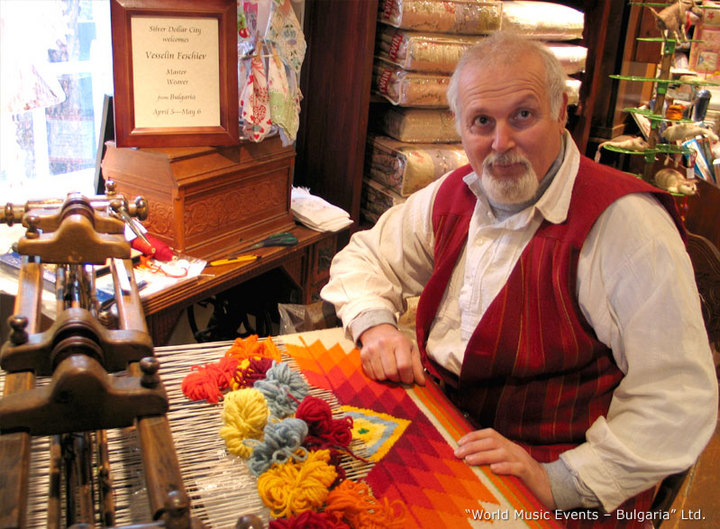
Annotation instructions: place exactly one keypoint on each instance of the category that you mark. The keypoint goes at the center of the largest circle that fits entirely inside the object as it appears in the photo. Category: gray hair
(505, 48)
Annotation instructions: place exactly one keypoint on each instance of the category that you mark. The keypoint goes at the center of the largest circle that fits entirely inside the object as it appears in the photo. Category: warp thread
(250, 370)
(207, 382)
(354, 503)
(283, 389)
(293, 488)
(244, 416)
(308, 519)
(281, 442)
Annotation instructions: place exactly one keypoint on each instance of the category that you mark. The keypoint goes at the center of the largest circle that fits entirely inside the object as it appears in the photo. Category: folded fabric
(406, 168)
(571, 57)
(542, 20)
(440, 53)
(424, 52)
(418, 125)
(572, 89)
(413, 89)
(377, 198)
(444, 16)
(426, 90)
(317, 213)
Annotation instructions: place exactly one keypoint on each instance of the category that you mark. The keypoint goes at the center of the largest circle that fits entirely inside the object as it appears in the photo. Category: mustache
(505, 158)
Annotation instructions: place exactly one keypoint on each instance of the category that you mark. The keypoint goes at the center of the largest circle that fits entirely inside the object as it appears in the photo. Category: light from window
(55, 69)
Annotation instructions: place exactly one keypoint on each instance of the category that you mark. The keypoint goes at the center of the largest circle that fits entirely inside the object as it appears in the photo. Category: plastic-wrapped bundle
(377, 199)
(437, 53)
(572, 89)
(542, 20)
(570, 56)
(406, 168)
(472, 17)
(427, 90)
(419, 125)
(413, 89)
(426, 52)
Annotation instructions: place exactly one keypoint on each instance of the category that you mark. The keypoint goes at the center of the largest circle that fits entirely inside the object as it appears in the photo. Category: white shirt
(636, 288)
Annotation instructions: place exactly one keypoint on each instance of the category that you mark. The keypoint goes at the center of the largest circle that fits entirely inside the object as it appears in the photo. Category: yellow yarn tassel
(293, 488)
(244, 416)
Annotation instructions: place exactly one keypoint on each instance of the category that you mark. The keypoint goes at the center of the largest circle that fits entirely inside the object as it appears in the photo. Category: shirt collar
(553, 204)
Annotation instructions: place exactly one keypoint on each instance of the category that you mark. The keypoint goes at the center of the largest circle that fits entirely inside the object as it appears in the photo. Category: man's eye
(481, 121)
(524, 114)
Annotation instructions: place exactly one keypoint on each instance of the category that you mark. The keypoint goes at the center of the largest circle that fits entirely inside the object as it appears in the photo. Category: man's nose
(504, 138)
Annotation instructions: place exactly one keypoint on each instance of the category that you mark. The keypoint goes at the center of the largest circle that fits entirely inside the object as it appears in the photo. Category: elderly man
(558, 305)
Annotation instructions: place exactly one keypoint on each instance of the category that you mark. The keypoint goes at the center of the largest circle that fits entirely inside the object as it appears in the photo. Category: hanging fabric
(283, 110)
(285, 32)
(255, 102)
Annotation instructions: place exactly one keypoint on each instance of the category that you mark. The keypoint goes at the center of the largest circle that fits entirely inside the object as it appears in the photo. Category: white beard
(509, 190)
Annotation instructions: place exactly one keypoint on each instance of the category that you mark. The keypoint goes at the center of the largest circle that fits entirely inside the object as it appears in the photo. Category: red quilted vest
(533, 368)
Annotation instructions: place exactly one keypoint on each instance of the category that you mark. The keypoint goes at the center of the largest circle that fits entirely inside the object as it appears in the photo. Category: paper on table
(316, 213)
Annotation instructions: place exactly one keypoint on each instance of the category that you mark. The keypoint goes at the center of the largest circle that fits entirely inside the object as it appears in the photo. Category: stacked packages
(419, 43)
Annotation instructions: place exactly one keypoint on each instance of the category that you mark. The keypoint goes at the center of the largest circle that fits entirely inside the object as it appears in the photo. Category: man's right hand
(387, 354)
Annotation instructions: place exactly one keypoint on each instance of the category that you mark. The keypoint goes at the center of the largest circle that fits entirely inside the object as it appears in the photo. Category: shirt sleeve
(637, 289)
(383, 266)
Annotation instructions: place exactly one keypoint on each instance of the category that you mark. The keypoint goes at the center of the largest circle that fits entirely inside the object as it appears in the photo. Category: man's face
(508, 132)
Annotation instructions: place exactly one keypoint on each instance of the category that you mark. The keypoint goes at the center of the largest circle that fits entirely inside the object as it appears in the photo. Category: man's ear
(562, 118)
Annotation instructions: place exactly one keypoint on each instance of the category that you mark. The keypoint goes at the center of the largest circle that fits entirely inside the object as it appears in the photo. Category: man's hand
(387, 354)
(487, 447)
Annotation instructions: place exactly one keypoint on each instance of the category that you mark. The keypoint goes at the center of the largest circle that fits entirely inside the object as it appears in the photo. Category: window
(55, 69)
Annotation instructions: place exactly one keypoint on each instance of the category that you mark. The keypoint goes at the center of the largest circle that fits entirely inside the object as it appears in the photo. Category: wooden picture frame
(175, 72)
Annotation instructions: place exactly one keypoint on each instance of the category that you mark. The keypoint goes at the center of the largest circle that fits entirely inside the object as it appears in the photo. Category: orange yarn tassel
(207, 382)
(249, 347)
(353, 502)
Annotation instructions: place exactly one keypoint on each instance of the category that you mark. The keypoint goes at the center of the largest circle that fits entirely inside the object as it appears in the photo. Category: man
(558, 308)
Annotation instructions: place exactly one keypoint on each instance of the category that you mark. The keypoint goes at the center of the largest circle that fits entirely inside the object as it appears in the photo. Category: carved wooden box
(208, 201)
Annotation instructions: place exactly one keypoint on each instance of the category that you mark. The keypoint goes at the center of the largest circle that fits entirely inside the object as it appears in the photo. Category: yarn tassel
(281, 443)
(252, 347)
(250, 370)
(293, 488)
(244, 416)
(354, 503)
(323, 430)
(207, 382)
(283, 389)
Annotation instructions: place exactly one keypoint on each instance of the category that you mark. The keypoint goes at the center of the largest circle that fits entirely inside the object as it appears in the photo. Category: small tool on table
(236, 259)
(284, 238)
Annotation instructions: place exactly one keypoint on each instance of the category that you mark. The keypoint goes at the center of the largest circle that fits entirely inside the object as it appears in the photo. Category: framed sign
(175, 72)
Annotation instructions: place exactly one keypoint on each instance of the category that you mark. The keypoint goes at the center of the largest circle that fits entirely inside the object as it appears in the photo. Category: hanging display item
(271, 50)
(174, 73)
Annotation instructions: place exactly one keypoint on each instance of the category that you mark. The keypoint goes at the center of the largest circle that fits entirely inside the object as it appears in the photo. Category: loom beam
(98, 378)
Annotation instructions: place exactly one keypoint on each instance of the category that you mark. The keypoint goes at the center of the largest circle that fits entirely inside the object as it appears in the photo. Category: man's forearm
(366, 320)
(568, 491)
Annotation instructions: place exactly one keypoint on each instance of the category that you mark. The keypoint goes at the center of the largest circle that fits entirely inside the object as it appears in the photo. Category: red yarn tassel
(207, 382)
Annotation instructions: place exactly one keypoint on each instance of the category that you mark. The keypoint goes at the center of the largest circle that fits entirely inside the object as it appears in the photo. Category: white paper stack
(317, 213)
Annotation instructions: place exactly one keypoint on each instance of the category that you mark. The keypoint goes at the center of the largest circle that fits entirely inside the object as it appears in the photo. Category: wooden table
(306, 264)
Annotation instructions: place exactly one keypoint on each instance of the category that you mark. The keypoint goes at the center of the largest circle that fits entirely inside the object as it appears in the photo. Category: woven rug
(415, 430)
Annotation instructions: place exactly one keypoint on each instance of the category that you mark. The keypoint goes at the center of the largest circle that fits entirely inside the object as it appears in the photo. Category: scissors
(284, 238)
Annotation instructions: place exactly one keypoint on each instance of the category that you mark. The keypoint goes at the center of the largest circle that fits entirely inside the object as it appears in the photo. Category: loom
(89, 377)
